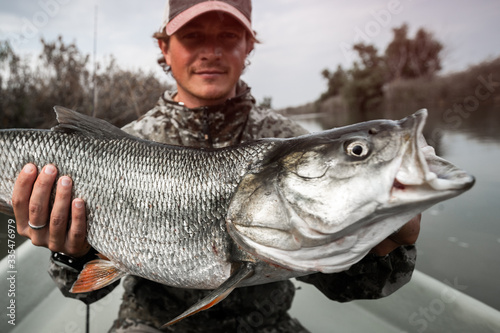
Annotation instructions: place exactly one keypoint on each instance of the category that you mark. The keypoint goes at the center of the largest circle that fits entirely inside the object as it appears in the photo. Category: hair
(162, 35)
(161, 59)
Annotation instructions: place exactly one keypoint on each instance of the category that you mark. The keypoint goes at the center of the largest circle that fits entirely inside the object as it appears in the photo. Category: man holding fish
(205, 45)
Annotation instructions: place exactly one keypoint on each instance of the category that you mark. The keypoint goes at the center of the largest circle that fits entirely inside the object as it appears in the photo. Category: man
(205, 45)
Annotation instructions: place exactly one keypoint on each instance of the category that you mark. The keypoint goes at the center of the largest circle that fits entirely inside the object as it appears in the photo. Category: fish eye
(357, 149)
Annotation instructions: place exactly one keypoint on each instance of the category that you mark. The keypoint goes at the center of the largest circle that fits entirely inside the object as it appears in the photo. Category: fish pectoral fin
(96, 274)
(245, 270)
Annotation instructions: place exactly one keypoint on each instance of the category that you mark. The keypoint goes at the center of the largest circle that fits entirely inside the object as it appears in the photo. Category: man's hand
(407, 235)
(30, 200)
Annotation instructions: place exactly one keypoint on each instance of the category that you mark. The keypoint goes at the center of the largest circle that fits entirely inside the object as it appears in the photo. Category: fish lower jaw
(401, 192)
(433, 185)
(434, 190)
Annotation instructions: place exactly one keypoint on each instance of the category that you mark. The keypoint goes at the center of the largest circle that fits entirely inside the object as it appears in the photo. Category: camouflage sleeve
(371, 278)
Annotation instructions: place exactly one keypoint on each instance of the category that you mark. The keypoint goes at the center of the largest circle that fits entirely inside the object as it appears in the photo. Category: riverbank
(467, 100)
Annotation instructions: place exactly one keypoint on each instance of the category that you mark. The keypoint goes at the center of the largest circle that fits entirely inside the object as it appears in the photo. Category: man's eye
(230, 35)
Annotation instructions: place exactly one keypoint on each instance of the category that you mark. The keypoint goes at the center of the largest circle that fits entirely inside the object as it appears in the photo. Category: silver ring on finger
(36, 227)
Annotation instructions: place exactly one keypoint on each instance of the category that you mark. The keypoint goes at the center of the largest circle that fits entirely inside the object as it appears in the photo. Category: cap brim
(205, 7)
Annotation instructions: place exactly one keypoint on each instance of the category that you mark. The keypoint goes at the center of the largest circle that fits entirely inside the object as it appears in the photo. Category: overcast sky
(299, 38)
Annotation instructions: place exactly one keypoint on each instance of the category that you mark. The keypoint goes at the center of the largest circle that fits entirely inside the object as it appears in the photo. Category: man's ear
(164, 50)
(250, 46)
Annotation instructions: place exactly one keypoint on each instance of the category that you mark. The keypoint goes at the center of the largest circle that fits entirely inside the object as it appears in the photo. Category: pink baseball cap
(179, 12)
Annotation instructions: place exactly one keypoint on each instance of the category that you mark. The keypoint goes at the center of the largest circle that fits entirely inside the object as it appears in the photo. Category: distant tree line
(63, 75)
(362, 86)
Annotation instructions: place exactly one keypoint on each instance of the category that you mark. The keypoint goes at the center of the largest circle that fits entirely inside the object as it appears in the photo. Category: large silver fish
(218, 219)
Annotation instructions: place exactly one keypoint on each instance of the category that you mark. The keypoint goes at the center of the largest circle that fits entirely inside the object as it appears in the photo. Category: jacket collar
(211, 126)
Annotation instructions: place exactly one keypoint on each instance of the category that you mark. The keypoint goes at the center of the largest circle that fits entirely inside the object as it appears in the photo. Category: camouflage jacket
(152, 304)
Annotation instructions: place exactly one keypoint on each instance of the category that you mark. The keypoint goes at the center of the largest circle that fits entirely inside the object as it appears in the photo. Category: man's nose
(211, 49)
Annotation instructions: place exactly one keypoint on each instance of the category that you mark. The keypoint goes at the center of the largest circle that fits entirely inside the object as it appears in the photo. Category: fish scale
(143, 200)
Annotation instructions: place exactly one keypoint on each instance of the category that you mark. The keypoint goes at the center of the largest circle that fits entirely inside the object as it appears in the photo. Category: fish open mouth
(421, 170)
(397, 185)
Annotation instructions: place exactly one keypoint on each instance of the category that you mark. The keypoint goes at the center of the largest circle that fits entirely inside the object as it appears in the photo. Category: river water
(460, 238)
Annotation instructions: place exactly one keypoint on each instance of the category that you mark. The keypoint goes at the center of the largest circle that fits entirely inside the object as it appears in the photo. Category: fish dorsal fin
(74, 122)
(96, 274)
(243, 272)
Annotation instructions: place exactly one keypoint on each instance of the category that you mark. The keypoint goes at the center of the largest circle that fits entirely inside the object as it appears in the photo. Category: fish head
(328, 198)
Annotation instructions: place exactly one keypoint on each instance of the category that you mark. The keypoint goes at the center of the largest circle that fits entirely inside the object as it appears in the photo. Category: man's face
(207, 57)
